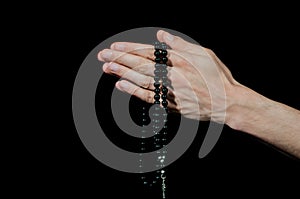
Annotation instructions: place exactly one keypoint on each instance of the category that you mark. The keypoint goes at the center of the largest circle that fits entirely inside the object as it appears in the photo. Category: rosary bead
(157, 72)
(164, 53)
(164, 79)
(157, 60)
(157, 108)
(164, 103)
(156, 84)
(164, 90)
(164, 71)
(156, 79)
(157, 53)
(156, 97)
(163, 96)
(158, 65)
(155, 114)
(157, 45)
(167, 83)
(157, 90)
(157, 102)
(164, 60)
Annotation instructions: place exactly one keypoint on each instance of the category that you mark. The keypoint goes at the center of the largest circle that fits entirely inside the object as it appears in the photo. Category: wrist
(245, 106)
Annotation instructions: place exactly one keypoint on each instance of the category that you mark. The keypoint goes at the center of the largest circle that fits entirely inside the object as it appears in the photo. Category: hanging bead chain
(160, 113)
(143, 144)
(160, 84)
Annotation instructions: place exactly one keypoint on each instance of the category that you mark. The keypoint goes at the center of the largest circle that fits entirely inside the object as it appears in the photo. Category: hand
(203, 88)
(197, 76)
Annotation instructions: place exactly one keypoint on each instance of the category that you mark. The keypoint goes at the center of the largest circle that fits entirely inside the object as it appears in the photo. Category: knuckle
(147, 83)
(149, 97)
(183, 62)
(210, 52)
(145, 68)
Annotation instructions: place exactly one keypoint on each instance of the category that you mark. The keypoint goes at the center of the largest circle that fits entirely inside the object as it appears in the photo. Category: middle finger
(137, 63)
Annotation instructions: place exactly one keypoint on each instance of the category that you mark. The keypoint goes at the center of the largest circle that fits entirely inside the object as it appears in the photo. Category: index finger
(143, 50)
(146, 51)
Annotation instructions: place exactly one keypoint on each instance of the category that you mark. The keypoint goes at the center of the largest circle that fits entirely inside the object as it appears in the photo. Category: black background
(259, 44)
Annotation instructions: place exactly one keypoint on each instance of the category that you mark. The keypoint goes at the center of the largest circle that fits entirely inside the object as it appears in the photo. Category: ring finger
(131, 75)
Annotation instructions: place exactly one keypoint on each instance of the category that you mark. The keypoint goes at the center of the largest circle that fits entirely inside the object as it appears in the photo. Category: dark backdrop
(258, 44)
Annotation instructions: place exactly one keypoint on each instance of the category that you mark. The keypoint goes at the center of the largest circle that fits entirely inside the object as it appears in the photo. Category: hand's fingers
(137, 63)
(177, 43)
(143, 94)
(132, 89)
(146, 51)
(138, 55)
(131, 75)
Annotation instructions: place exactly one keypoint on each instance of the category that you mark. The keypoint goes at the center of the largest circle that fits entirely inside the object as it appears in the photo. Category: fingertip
(168, 37)
(159, 35)
(119, 46)
(112, 46)
(104, 67)
(99, 56)
(117, 85)
(164, 36)
(122, 85)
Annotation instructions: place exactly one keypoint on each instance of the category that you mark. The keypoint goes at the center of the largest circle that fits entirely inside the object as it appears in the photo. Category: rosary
(159, 115)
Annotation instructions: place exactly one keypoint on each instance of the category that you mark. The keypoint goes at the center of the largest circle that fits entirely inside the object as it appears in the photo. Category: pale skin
(203, 89)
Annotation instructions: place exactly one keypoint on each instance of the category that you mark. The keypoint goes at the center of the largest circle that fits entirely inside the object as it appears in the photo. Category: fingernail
(124, 85)
(113, 67)
(106, 54)
(119, 46)
(168, 36)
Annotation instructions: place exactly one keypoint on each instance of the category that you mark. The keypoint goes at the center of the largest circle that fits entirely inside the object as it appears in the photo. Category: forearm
(268, 120)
